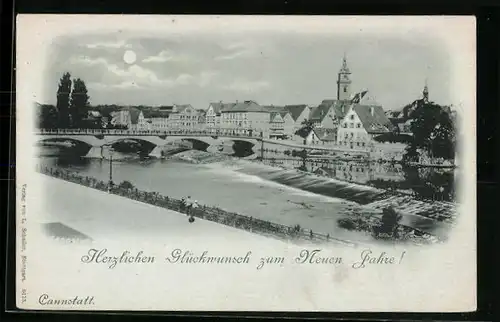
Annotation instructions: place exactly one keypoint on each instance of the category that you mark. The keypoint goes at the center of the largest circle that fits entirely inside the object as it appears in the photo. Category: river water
(278, 195)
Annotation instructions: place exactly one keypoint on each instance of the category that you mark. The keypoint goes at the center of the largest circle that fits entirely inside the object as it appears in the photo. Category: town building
(212, 115)
(277, 126)
(299, 114)
(138, 121)
(285, 121)
(121, 117)
(330, 112)
(319, 136)
(326, 136)
(184, 117)
(245, 118)
(130, 118)
(156, 119)
(361, 124)
(288, 124)
(324, 116)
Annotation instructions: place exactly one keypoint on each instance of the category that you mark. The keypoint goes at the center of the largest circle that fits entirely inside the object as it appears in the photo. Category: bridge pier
(157, 151)
(95, 152)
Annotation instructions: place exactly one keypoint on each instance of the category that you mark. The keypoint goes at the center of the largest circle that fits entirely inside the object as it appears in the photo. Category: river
(278, 195)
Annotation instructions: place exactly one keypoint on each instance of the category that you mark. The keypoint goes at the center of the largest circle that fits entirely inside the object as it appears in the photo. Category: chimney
(372, 110)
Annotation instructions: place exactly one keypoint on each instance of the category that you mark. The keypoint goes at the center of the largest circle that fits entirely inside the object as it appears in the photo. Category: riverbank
(71, 212)
(214, 214)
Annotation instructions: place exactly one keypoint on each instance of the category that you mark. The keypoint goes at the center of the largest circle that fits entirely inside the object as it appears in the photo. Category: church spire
(344, 69)
(344, 81)
(425, 92)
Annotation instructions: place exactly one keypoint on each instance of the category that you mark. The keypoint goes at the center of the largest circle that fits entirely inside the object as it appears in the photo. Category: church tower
(344, 82)
(425, 92)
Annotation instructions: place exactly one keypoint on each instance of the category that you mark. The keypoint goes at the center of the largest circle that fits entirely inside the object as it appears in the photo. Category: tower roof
(344, 69)
(425, 92)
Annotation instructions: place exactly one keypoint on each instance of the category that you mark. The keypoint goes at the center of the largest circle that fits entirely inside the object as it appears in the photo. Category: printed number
(23, 295)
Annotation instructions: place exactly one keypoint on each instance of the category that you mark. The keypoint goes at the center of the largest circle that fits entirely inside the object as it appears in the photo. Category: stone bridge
(98, 139)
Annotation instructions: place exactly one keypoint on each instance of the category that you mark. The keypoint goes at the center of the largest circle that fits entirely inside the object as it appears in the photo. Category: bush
(127, 185)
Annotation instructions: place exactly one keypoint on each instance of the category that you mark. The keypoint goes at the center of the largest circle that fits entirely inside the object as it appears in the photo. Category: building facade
(213, 115)
(288, 124)
(299, 114)
(184, 117)
(276, 126)
(323, 116)
(361, 124)
(245, 118)
(157, 120)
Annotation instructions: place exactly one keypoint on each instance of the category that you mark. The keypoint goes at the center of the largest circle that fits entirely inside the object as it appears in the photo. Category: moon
(129, 57)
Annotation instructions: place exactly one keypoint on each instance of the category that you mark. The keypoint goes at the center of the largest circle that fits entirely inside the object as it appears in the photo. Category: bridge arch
(87, 139)
(154, 140)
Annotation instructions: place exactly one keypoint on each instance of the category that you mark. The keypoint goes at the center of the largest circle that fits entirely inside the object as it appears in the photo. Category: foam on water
(235, 172)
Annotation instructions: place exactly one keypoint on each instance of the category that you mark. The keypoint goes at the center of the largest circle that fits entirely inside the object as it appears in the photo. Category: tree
(306, 126)
(47, 116)
(389, 223)
(79, 102)
(63, 93)
(433, 132)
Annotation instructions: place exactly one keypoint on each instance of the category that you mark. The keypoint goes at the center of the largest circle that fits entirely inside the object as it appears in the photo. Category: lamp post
(110, 183)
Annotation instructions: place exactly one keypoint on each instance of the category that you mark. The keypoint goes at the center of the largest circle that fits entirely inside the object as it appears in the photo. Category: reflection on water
(423, 183)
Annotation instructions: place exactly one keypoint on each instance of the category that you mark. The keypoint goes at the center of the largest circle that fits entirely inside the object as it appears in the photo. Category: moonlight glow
(129, 57)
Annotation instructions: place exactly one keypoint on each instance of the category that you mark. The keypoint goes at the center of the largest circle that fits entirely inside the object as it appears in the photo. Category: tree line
(72, 105)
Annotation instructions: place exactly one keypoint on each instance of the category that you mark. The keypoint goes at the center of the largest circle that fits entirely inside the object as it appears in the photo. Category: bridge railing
(173, 132)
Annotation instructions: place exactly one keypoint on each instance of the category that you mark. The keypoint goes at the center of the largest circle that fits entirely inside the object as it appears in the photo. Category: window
(351, 125)
(345, 89)
(358, 125)
(352, 116)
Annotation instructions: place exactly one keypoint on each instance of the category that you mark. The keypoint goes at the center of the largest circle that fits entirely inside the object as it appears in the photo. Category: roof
(356, 99)
(155, 114)
(246, 106)
(340, 108)
(220, 105)
(166, 108)
(182, 107)
(296, 110)
(319, 112)
(284, 114)
(134, 114)
(275, 108)
(376, 123)
(326, 134)
(273, 117)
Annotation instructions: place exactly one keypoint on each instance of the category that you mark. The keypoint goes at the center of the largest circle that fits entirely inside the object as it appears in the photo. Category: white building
(156, 120)
(361, 124)
(184, 117)
(246, 118)
(212, 115)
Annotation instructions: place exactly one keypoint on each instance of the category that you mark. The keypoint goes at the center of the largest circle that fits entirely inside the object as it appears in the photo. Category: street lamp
(110, 183)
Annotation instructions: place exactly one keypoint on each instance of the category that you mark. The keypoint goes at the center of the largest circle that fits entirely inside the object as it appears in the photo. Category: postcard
(246, 163)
